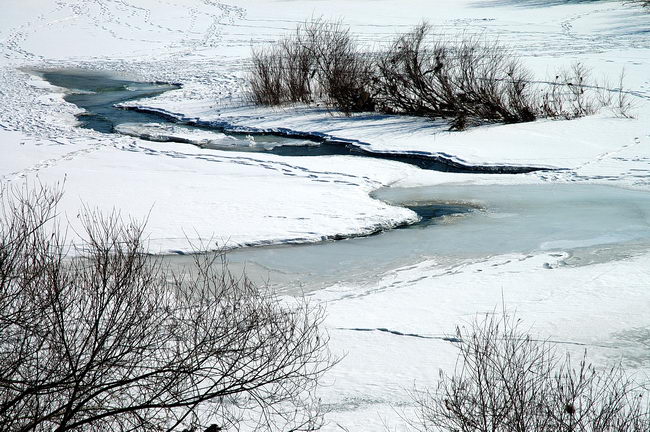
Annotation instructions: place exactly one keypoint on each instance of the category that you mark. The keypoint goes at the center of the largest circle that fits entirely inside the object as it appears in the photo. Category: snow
(187, 194)
(600, 308)
(595, 297)
(545, 143)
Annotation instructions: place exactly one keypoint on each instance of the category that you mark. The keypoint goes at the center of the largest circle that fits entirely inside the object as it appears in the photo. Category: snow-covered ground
(601, 308)
(187, 193)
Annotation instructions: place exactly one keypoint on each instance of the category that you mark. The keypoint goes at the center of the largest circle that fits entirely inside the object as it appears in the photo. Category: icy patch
(168, 132)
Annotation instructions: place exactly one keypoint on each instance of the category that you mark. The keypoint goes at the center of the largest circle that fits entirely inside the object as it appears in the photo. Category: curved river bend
(592, 222)
(100, 93)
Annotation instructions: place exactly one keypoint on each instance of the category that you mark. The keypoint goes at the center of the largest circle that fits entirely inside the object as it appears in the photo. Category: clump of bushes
(319, 62)
(507, 382)
(109, 339)
(469, 81)
(282, 73)
(643, 3)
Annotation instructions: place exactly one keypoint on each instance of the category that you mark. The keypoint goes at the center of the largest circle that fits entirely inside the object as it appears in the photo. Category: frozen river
(101, 93)
(592, 222)
(458, 222)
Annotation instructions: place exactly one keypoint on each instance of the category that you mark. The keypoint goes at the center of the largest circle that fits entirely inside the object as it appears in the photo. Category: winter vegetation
(507, 381)
(643, 3)
(99, 333)
(468, 80)
(101, 336)
(108, 339)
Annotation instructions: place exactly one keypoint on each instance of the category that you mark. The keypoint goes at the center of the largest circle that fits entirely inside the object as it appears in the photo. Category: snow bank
(206, 46)
(601, 308)
(187, 193)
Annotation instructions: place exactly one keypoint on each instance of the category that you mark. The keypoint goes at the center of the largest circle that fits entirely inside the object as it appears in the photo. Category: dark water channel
(98, 94)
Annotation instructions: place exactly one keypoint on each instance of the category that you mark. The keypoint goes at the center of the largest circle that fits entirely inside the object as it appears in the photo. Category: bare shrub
(298, 68)
(345, 76)
(283, 72)
(401, 73)
(622, 106)
(321, 61)
(616, 98)
(266, 77)
(506, 382)
(111, 340)
(469, 81)
(571, 94)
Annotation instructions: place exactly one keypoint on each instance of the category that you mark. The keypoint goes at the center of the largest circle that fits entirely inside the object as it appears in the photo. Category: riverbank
(40, 137)
(388, 317)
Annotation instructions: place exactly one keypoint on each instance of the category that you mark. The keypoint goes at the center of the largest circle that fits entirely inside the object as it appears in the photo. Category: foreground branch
(112, 340)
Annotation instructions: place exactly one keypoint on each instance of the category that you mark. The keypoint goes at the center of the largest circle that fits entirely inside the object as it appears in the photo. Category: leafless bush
(298, 68)
(283, 72)
(618, 99)
(469, 81)
(275, 76)
(111, 340)
(266, 78)
(344, 74)
(321, 61)
(571, 94)
(401, 71)
(507, 382)
(642, 3)
(623, 105)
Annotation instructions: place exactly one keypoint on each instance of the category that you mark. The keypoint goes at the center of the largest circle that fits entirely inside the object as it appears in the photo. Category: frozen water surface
(458, 222)
(473, 222)
(526, 218)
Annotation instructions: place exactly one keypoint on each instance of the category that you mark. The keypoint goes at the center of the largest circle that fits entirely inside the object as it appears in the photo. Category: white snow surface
(188, 193)
(601, 308)
(205, 45)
